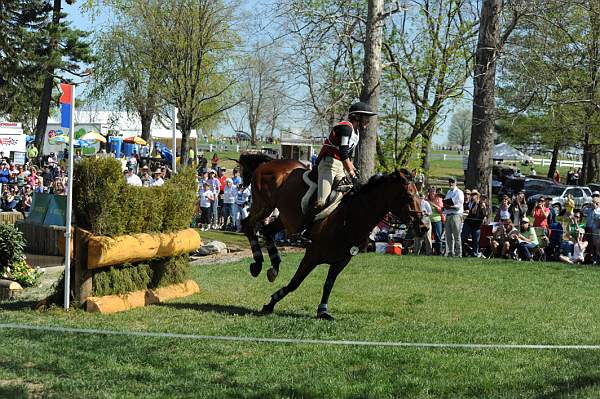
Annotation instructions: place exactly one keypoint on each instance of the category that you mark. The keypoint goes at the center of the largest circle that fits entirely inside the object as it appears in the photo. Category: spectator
(421, 238)
(241, 201)
(533, 172)
(132, 179)
(527, 240)
(503, 211)
(206, 200)
(596, 230)
(237, 180)
(453, 209)
(229, 194)
(145, 177)
(21, 177)
(540, 214)
(214, 162)
(467, 202)
(4, 173)
(202, 162)
(518, 208)
(570, 174)
(158, 179)
(32, 153)
(504, 239)
(589, 218)
(437, 213)
(26, 202)
(579, 247)
(9, 202)
(215, 187)
(12, 173)
(47, 176)
(569, 207)
(32, 178)
(556, 177)
(222, 182)
(472, 225)
(552, 214)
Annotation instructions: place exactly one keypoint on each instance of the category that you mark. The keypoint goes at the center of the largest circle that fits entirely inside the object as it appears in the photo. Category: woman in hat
(578, 254)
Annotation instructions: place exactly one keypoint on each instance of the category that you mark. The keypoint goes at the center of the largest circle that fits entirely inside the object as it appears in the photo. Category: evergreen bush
(105, 205)
(12, 244)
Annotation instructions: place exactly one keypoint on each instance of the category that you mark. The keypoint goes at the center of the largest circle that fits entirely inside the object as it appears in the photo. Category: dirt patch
(18, 387)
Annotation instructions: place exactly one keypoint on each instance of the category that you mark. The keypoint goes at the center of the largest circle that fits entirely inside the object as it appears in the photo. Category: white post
(174, 127)
(69, 205)
(443, 157)
(210, 148)
(237, 148)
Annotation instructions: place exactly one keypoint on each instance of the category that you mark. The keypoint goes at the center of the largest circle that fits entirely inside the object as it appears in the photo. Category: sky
(85, 21)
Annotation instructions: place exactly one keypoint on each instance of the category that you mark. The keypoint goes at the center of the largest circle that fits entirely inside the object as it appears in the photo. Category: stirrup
(303, 236)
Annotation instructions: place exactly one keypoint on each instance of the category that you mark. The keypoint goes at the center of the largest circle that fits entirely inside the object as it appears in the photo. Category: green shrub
(106, 205)
(22, 273)
(128, 277)
(12, 244)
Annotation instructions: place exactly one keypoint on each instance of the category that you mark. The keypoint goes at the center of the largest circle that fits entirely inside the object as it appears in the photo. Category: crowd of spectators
(462, 224)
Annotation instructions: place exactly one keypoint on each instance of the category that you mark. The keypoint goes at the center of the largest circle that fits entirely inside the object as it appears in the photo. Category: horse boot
(303, 234)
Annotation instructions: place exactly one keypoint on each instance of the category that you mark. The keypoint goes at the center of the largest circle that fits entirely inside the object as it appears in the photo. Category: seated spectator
(132, 179)
(527, 240)
(145, 177)
(505, 239)
(157, 180)
(578, 254)
(26, 203)
(9, 202)
(58, 188)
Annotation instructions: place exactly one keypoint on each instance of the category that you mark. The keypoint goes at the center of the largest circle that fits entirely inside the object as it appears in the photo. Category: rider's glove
(355, 182)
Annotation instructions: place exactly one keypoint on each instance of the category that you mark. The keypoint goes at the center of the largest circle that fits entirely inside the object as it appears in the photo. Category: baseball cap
(596, 193)
(525, 219)
(451, 179)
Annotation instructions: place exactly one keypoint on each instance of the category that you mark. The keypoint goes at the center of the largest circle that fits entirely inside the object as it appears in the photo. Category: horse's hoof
(325, 316)
(255, 269)
(266, 309)
(272, 274)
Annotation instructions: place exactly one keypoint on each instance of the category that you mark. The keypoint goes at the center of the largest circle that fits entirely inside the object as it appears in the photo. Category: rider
(335, 157)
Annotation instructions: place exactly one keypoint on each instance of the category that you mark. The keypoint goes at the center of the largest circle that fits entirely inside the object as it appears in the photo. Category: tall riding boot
(304, 229)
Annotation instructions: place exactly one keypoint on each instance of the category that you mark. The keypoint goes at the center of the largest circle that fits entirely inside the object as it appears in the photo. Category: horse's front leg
(322, 310)
(269, 232)
(306, 266)
(250, 232)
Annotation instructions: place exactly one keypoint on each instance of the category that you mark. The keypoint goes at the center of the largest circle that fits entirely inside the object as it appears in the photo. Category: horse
(277, 183)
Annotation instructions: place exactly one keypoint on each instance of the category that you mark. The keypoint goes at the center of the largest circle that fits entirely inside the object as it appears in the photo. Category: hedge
(105, 205)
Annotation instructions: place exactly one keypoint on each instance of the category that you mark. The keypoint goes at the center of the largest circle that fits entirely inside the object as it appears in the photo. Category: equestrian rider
(334, 160)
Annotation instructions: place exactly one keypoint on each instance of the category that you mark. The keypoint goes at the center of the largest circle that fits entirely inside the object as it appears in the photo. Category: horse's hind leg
(306, 266)
(249, 231)
(269, 232)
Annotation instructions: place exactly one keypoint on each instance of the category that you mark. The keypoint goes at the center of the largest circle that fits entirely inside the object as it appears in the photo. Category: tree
(489, 47)
(459, 131)
(429, 51)
(121, 75)
(192, 42)
(62, 51)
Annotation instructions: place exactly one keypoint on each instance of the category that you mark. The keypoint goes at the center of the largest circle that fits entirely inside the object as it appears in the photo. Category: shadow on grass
(227, 309)
(14, 392)
(17, 305)
(571, 387)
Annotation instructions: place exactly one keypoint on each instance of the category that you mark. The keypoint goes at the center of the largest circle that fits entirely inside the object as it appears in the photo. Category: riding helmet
(361, 108)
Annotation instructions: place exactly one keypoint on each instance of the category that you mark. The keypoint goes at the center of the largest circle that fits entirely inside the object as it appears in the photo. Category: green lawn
(377, 298)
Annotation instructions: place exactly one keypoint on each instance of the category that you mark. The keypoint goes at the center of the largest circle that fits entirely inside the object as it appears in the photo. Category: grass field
(377, 298)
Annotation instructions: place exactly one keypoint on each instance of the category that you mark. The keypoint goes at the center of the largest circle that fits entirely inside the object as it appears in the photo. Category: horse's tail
(249, 162)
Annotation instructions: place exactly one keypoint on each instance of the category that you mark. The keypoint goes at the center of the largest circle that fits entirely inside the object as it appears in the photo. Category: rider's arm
(345, 132)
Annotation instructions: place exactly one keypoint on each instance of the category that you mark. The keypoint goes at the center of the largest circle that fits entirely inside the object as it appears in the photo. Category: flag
(66, 104)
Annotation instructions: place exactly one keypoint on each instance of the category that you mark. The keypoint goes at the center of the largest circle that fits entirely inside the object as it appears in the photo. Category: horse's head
(407, 205)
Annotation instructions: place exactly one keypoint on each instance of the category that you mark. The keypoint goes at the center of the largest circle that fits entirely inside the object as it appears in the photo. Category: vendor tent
(505, 152)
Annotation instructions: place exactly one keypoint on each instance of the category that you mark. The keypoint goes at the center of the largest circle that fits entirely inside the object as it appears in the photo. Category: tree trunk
(426, 155)
(46, 96)
(594, 166)
(482, 129)
(146, 119)
(554, 159)
(381, 155)
(371, 87)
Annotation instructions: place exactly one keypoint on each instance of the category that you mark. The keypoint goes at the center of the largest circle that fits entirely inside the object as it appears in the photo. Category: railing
(536, 161)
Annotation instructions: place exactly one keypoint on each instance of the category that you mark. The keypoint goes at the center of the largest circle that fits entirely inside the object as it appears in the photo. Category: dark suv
(530, 186)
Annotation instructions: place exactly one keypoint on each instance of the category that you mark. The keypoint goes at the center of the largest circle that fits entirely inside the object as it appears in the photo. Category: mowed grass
(377, 298)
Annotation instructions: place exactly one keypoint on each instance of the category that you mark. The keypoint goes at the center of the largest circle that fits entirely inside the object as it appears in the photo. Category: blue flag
(65, 115)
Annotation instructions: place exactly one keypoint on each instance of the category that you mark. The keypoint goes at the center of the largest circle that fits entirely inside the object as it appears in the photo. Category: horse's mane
(249, 162)
(377, 180)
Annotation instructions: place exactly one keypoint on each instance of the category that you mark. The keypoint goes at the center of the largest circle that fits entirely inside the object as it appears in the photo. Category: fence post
(444, 157)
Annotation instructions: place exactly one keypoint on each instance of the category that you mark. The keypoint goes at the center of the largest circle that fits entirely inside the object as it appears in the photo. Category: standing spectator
(32, 153)
(222, 183)
(4, 173)
(237, 180)
(419, 180)
(21, 177)
(467, 203)
(589, 217)
(157, 180)
(569, 206)
(596, 230)
(503, 211)
(214, 162)
(241, 201)
(556, 177)
(202, 162)
(191, 156)
(424, 238)
(570, 174)
(437, 213)
(552, 214)
(518, 208)
(47, 176)
(473, 221)
(576, 177)
(215, 187)
(12, 173)
(229, 194)
(527, 240)
(540, 214)
(453, 209)
(145, 177)
(206, 200)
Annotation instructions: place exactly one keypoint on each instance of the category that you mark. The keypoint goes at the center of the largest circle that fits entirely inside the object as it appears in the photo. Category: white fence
(536, 161)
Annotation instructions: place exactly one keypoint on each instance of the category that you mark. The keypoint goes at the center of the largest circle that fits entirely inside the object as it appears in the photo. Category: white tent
(505, 152)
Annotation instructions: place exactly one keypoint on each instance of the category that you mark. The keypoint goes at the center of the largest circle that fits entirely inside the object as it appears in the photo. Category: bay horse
(334, 240)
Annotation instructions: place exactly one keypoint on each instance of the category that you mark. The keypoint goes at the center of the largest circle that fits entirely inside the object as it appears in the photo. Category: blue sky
(86, 21)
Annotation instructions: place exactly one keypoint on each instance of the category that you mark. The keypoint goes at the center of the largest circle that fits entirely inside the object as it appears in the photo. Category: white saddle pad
(332, 202)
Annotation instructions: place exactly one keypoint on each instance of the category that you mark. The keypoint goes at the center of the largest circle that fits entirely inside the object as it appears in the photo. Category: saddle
(339, 188)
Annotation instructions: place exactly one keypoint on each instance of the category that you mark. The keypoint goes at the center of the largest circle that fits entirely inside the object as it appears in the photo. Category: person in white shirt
(229, 194)
(424, 239)
(241, 202)
(206, 200)
(453, 209)
(132, 179)
(157, 180)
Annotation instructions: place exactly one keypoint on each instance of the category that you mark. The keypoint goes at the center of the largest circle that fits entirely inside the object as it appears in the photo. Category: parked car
(594, 186)
(558, 197)
(530, 186)
(496, 185)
